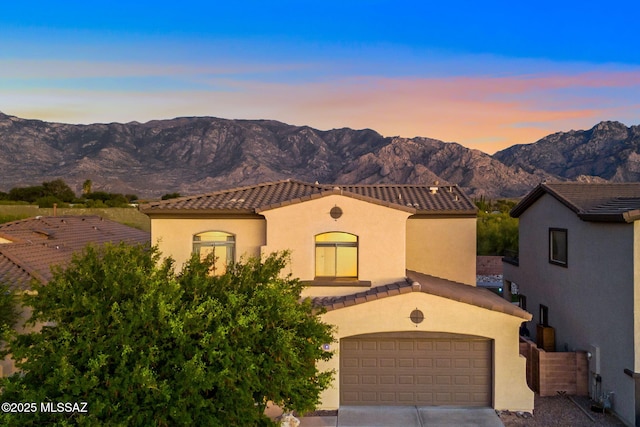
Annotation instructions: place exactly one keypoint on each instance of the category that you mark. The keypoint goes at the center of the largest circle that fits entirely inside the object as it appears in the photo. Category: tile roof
(606, 202)
(418, 199)
(419, 282)
(40, 242)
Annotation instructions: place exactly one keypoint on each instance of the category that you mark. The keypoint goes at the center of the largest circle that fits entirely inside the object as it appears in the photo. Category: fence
(551, 372)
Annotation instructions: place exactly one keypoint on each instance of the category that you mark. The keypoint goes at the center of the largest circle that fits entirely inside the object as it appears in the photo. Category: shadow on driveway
(407, 416)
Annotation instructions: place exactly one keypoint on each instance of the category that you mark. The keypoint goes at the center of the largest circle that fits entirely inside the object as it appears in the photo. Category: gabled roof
(38, 243)
(416, 199)
(608, 202)
(419, 282)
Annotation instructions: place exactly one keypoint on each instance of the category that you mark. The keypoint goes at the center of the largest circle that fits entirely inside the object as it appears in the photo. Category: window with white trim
(219, 243)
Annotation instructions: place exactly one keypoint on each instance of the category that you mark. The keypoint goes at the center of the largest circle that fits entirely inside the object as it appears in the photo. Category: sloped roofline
(420, 282)
(540, 190)
(186, 205)
(43, 241)
(592, 214)
(337, 190)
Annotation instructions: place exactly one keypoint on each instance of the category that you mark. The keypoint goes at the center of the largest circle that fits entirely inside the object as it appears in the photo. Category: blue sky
(484, 74)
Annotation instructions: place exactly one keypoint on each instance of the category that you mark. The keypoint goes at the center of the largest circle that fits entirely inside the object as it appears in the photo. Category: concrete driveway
(406, 416)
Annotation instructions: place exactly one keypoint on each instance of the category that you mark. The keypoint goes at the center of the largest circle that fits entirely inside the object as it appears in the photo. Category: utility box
(546, 338)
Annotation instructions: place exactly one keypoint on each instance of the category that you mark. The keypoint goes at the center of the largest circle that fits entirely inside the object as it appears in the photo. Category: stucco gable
(337, 191)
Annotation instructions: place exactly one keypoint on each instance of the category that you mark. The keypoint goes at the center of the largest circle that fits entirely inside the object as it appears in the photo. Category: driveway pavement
(406, 416)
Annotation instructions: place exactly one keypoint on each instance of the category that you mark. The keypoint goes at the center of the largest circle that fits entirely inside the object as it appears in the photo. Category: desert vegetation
(497, 231)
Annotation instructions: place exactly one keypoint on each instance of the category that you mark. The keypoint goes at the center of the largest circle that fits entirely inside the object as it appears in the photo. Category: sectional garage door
(416, 369)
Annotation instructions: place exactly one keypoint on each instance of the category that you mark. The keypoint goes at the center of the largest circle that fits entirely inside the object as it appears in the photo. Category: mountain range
(192, 155)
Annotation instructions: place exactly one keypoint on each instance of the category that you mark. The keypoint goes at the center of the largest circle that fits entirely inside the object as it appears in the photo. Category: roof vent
(433, 190)
(450, 189)
(456, 198)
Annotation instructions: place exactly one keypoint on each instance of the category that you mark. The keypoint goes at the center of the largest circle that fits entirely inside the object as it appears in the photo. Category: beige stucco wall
(591, 301)
(380, 230)
(391, 314)
(174, 236)
(443, 247)
(7, 365)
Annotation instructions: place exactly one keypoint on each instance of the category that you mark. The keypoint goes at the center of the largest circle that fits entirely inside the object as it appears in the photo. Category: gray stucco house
(578, 269)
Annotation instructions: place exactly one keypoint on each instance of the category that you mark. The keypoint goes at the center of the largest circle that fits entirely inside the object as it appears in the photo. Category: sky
(487, 75)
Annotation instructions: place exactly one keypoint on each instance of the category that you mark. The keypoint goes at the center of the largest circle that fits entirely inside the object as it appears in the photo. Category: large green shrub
(8, 310)
(144, 346)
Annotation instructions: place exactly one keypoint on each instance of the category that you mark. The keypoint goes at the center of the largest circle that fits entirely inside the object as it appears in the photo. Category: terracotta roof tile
(41, 242)
(420, 199)
(431, 285)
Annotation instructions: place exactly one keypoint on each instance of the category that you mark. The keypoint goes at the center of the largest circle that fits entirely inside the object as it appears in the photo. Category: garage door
(416, 369)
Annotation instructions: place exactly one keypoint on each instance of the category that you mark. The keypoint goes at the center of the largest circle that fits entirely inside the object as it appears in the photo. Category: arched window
(220, 243)
(337, 255)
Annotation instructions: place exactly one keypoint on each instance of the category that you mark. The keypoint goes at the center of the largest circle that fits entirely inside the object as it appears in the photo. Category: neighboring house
(578, 269)
(30, 247)
(394, 265)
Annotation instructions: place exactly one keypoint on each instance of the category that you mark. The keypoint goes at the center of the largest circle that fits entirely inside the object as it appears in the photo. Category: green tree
(8, 310)
(112, 200)
(170, 196)
(26, 194)
(49, 201)
(496, 233)
(59, 189)
(86, 187)
(145, 346)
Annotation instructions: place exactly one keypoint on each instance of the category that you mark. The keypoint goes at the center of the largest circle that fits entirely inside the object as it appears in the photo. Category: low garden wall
(551, 372)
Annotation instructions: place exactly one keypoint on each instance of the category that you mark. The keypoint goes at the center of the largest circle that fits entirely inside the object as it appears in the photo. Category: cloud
(488, 112)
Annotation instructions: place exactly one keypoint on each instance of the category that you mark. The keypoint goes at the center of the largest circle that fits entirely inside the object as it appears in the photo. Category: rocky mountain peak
(200, 154)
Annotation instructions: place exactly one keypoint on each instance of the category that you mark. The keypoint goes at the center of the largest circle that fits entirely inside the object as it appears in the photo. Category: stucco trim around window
(220, 243)
(336, 255)
(558, 247)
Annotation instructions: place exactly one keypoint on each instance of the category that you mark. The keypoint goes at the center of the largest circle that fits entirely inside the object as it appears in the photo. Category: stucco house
(578, 268)
(30, 247)
(394, 265)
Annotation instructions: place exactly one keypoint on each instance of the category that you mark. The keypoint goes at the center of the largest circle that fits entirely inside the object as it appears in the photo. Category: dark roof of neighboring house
(416, 199)
(38, 243)
(460, 292)
(607, 202)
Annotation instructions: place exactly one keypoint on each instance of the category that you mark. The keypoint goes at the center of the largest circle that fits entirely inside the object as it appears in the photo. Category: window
(558, 246)
(221, 244)
(544, 315)
(337, 255)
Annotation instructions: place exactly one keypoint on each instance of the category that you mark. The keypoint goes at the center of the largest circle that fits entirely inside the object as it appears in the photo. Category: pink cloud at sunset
(483, 112)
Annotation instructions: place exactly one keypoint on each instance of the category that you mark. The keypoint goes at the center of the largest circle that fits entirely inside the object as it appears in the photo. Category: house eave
(202, 213)
(419, 282)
